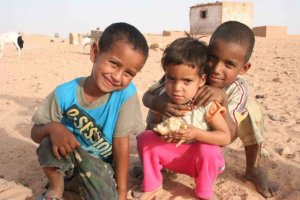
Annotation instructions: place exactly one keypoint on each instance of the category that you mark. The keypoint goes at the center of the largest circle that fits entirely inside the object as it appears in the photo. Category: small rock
(276, 117)
(287, 153)
(276, 79)
(259, 96)
(220, 181)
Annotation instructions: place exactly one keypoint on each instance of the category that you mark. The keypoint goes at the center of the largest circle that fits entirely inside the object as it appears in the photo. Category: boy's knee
(44, 147)
(46, 142)
(44, 151)
(46, 157)
(250, 131)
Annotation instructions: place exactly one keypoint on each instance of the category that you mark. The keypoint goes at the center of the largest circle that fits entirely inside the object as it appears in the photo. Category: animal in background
(11, 37)
(86, 41)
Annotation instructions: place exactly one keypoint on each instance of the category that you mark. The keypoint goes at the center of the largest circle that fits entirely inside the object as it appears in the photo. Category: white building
(205, 18)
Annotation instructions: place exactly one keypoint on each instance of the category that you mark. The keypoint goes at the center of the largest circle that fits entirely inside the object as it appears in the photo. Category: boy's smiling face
(115, 68)
(227, 61)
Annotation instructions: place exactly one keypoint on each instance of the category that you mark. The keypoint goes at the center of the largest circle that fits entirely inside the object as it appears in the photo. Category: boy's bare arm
(39, 132)
(121, 160)
(63, 141)
(155, 119)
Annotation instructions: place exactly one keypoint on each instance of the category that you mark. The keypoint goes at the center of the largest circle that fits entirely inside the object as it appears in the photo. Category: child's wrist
(49, 127)
(225, 101)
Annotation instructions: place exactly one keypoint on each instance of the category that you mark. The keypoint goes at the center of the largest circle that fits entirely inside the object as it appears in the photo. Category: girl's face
(114, 69)
(183, 82)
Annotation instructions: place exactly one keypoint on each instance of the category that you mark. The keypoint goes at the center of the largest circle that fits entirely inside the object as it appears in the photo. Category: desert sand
(274, 80)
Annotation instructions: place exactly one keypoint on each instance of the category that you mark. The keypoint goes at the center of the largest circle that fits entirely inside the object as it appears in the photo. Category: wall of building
(260, 31)
(96, 34)
(276, 31)
(200, 25)
(238, 11)
(75, 38)
(217, 13)
(270, 31)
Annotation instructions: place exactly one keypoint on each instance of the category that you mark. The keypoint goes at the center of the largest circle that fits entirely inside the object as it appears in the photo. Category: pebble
(276, 117)
(287, 153)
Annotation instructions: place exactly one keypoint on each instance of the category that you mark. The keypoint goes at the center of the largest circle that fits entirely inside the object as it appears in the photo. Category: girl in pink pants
(184, 62)
(199, 160)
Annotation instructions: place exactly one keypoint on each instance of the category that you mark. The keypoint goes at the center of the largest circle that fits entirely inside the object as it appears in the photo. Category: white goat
(86, 41)
(11, 37)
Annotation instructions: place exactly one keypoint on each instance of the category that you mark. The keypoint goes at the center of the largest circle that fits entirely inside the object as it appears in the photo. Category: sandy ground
(273, 78)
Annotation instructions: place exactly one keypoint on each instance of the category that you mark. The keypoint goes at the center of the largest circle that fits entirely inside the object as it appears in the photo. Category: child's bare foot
(51, 194)
(150, 195)
(137, 193)
(54, 193)
(56, 183)
(263, 185)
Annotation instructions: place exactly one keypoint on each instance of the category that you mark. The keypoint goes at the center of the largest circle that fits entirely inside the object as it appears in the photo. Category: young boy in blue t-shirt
(83, 126)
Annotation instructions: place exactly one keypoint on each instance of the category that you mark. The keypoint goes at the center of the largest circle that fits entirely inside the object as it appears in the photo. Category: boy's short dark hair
(186, 50)
(235, 32)
(122, 31)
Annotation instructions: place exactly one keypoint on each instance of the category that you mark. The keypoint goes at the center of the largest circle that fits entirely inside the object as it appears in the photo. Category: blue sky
(150, 16)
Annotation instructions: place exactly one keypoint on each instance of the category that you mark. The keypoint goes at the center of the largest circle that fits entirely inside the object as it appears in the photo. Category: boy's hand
(163, 105)
(63, 141)
(207, 94)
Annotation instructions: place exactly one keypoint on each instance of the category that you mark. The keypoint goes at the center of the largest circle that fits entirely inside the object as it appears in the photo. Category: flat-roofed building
(205, 18)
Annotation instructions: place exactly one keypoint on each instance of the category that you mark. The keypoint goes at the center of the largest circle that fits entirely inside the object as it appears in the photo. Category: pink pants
(199, 160)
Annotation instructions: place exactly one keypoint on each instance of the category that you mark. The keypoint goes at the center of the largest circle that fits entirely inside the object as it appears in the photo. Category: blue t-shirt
(93, 128)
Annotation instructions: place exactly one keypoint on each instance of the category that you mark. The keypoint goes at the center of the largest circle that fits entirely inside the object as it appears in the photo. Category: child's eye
(230, 65)
(129, 74)
(188, 81)
(169, 78)
(114, 64)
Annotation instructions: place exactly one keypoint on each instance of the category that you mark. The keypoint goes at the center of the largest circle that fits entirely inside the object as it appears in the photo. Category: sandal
(43, 197)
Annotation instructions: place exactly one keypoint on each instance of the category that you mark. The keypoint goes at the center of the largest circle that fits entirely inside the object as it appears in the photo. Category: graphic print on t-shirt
(88, 132)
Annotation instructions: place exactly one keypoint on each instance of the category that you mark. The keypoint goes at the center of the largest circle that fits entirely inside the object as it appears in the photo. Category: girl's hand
(168, 139)
(188, 134)
(63, 141)
(207, 94)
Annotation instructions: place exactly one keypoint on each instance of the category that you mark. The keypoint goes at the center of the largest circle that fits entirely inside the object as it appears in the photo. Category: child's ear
(94, 52)
(245, 68)
(203, 80)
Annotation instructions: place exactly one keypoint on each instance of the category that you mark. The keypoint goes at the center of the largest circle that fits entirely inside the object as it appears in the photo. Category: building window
(203, 14)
